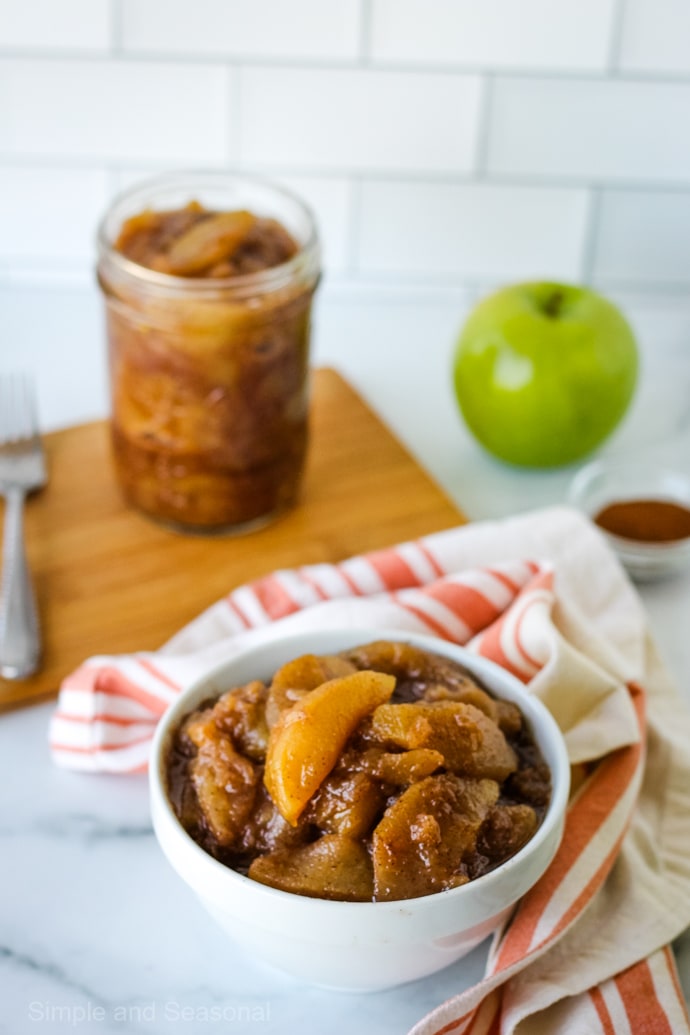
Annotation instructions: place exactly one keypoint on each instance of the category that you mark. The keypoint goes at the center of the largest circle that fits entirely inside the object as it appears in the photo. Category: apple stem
(553, 303)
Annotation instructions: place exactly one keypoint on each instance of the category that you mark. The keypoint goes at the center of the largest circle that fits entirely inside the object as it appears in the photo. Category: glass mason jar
(209, 376)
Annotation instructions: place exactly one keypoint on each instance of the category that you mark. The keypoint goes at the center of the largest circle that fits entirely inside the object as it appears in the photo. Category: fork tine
(5, 406)
(22, 470)
(26, 395)
(18, 412)
(8, 406)
(7, 395)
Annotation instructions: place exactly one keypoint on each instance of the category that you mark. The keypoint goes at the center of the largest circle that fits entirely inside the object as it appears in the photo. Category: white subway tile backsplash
(529, 34)
(55, 25)
(50, 214)
(447, 142)
(643, 237)
(350, 119)
(115, 110)
(656, 36)
(616, 129)
(323, 29)
(472, 230)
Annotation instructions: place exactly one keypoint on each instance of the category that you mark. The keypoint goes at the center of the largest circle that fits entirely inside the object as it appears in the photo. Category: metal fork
(22, 469)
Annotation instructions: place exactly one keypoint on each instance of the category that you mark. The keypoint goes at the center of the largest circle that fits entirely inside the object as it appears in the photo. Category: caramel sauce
(646, 520)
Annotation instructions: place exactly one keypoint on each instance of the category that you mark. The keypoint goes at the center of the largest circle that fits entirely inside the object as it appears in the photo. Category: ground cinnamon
(646, 520)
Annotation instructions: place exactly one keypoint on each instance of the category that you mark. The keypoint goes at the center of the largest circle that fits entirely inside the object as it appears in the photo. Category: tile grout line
(616, 39)
(326, 64)
(421, 177)
(353, 236)
(233, 94)
(116, 28)
(484, 114)
(365, 27)
(589, 246)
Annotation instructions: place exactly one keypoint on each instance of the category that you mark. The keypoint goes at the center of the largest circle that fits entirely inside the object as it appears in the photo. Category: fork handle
(20, 647)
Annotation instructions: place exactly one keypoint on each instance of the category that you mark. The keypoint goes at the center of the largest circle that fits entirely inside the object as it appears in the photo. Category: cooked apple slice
(305, 743)
(471, 744)
(225, 781)
(425, 835)
(300, 676)
(208, 241)
(335, 867)
(404, 767)
(347, 804)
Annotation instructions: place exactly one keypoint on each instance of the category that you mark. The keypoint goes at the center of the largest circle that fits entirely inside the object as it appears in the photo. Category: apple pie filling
(383, 772)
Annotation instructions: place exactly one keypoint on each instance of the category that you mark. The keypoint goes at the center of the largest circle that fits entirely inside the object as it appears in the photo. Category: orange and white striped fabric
(587, 948)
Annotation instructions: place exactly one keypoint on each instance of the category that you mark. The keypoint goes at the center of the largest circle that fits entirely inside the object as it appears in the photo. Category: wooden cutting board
(109, 580)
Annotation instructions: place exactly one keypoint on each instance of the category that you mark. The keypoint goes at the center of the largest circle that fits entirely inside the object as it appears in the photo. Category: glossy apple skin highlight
(544, 372)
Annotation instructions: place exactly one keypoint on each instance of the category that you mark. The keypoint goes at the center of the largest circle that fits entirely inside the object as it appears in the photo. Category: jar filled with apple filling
(208, 283)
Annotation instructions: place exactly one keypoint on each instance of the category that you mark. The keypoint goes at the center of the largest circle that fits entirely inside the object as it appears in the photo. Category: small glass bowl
(614, 481)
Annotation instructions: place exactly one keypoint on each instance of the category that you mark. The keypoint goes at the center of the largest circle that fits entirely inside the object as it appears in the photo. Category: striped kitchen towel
(587, 948)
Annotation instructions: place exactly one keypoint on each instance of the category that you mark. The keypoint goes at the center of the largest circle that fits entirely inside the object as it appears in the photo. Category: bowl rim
(611, 466)
(534, 710)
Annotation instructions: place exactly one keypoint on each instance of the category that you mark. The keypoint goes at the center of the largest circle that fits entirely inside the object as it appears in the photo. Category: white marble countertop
(97, 934)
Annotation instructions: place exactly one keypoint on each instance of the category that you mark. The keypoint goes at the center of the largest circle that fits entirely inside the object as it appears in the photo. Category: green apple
(544, 372)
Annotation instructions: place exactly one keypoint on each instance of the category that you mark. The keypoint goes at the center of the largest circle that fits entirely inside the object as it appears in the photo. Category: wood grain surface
(108, 580)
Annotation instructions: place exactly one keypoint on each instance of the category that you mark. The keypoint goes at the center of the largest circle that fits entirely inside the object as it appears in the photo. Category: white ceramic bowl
(612, 481)
(357, 946)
